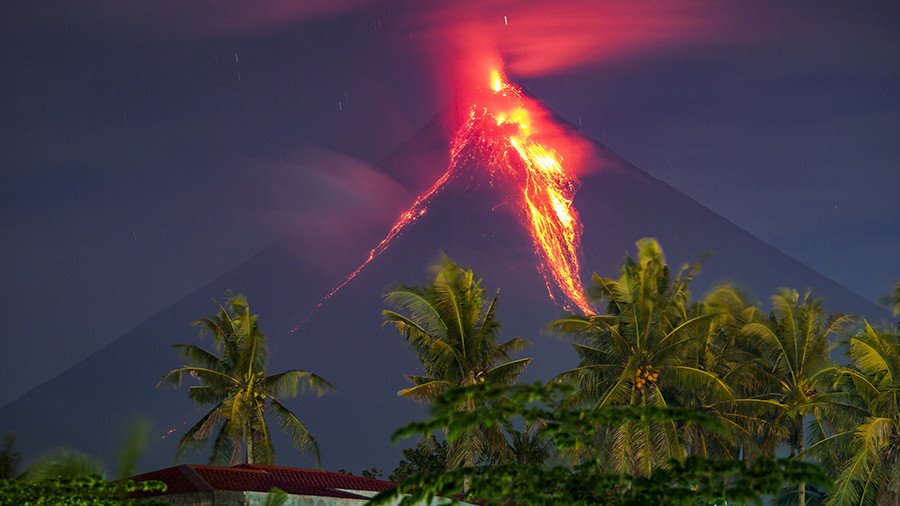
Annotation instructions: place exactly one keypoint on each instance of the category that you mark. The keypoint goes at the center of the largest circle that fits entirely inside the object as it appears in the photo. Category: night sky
(148, 147)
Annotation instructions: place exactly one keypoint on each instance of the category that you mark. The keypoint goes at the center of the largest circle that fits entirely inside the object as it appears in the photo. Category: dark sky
(148, 147)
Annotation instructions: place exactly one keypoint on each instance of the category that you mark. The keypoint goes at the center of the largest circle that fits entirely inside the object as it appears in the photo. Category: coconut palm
(864, 449)
(528, 447)
(893, 300)
(641, 353)
(796, 339)
(452, 327)
(236, 383)
(736, 360)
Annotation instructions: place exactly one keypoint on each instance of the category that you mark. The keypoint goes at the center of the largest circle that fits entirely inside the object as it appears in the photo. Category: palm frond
(420, 309)
(504, 350)
(505, 374)
(201, 358)
(200, 432)
(263, 451)
(206, 394)
(226, 448)
(691, 378)
(206, 376)
(870, 355)
(292, 426)
(426, 391)
(431, 350)
(294, 382)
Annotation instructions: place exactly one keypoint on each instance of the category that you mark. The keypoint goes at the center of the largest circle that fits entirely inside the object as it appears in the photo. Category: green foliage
(453, 329)
(429, 456)
(276, 497)
(796, 342)
(89, 490)
(655, 347)
(694, 480)
(64, 464)
(529, 446)
(374, 473)
(893, 300)
(864, 443)
(133, 448)
(236, 383)
(9, 459)
(70, 477)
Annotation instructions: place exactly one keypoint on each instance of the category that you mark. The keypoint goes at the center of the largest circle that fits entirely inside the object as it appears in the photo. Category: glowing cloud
(538, 38)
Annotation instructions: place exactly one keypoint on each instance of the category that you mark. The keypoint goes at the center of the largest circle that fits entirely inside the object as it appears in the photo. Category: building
(250, 484)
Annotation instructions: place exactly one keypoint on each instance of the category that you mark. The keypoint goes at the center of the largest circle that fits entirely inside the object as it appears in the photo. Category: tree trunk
(801, 444)
(250, 448)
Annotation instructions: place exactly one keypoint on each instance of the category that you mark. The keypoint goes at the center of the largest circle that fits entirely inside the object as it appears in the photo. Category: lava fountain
(501, 134)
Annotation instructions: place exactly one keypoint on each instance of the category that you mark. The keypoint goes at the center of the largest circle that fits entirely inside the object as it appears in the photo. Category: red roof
(257, 478)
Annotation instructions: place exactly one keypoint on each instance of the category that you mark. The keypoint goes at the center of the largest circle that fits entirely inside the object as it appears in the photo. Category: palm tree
(641, 353)
(453, 330)
(796, 341)
(529, 447)
(236, 383)
(736, 360)
(864, 450)
(893, 300)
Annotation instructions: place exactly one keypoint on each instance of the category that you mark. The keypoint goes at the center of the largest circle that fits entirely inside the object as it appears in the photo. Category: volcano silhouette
(89, 405)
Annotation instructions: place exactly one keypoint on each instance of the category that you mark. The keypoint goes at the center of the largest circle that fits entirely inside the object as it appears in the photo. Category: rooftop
(189, 478)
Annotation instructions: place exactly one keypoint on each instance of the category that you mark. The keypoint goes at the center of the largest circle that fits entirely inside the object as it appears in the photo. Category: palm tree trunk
(801, 444)
(250, 448)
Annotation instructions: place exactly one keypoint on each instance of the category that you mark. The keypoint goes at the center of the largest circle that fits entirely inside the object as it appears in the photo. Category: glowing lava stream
(546, 187)
(503, 140)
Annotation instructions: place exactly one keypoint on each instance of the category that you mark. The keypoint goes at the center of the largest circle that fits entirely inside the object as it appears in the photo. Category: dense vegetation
(70, 478)
(754, 384)
(675, 399)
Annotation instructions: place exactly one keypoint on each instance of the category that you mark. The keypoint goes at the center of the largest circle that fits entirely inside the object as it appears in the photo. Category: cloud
(320, 200)
(170, 18)
(539, 38)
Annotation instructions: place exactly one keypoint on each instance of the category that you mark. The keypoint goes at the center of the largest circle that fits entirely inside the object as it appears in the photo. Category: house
(249, 484)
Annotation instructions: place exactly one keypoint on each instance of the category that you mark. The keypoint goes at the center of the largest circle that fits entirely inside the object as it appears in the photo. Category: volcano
(89, 405)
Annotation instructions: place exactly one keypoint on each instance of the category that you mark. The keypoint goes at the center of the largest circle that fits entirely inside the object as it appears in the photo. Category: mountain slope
(88, 405)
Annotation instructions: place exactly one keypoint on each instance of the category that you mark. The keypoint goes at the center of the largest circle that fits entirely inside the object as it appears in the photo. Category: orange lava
(411, 215)
(501, 135)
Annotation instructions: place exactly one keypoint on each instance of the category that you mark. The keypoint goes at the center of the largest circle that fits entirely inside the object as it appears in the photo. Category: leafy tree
(69, 478)
(374, 473)
(89, 490)
(692, 481)
(796, 341)
(453, 329)
(64, 464)
(864, 450)
(236, 383)
(641, 354)
(429, 456)
(9, 458)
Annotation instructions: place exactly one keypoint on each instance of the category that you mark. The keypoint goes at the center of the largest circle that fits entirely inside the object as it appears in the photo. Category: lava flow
(500, 134)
